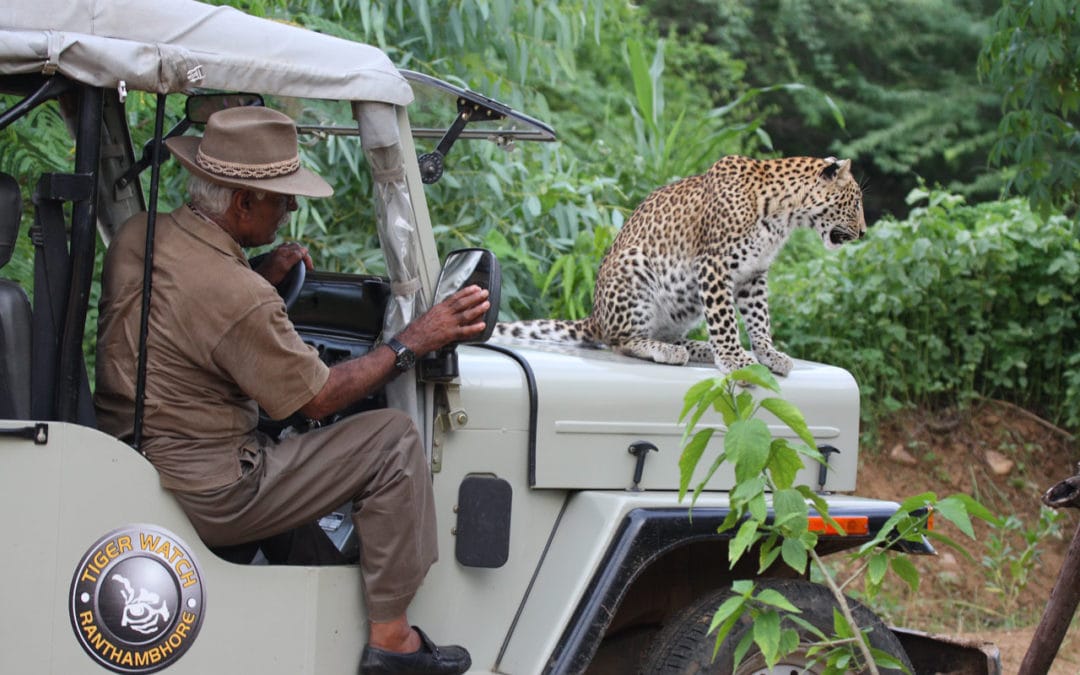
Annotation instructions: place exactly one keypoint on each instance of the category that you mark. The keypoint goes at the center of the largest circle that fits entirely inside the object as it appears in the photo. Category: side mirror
(468, 266)
(464, 267)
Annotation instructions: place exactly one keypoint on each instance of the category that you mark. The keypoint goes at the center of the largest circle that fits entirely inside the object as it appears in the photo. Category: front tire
(684, 646)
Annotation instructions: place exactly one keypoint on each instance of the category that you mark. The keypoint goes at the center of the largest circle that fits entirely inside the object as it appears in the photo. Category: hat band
(235, 170)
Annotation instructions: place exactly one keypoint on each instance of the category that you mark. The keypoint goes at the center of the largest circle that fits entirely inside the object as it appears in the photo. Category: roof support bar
(148, 268)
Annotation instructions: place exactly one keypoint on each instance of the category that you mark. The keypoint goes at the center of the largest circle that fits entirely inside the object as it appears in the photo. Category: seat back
(15, 316)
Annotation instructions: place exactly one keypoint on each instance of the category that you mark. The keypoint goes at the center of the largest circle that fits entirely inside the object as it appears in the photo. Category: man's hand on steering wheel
(285, 268)
(278, 262)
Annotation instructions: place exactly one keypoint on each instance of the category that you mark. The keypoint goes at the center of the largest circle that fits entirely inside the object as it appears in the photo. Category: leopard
(700, 248)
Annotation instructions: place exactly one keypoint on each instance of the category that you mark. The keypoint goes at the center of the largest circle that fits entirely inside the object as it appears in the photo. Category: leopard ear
(835, 167)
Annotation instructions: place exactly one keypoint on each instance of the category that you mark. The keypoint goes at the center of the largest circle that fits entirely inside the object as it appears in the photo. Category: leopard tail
(580, 331)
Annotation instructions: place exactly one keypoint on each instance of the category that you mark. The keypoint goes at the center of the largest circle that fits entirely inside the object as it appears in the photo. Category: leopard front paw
(673, 355)
(776, 361)
(727, 363)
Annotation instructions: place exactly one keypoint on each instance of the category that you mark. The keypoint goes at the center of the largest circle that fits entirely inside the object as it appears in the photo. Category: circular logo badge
(137, 599)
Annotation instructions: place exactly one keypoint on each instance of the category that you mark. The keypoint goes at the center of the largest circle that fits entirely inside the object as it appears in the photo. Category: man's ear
(242, 200)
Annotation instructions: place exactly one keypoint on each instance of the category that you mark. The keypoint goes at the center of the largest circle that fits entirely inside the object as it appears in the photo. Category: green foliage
(765, 469)
(903, 73)
(549, 211)
(1033, 58)
(1007, 569)
(39, 143)
(954, 302)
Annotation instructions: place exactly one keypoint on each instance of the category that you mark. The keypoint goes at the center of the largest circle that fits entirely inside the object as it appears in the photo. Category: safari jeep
(564, 546)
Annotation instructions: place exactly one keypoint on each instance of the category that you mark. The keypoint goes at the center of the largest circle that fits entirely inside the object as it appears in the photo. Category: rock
(999, 463)
(901, 456)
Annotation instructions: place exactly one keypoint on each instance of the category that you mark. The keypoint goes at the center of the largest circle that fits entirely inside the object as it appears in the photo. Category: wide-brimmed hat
(249, 147)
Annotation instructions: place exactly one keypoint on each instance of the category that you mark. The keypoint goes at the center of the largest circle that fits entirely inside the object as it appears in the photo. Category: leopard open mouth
(841, 235)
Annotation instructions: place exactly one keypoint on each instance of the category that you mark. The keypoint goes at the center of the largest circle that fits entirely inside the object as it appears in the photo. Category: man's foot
(430, 659)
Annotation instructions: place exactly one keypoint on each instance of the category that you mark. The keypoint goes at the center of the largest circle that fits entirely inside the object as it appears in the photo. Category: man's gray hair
(210, 198)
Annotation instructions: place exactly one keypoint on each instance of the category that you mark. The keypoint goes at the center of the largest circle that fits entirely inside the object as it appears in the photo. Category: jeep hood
(583, 408)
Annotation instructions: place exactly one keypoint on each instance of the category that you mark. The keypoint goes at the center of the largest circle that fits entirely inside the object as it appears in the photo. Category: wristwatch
(405, 357)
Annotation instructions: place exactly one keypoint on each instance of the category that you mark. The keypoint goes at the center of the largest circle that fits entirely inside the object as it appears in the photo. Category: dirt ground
(1006, 458)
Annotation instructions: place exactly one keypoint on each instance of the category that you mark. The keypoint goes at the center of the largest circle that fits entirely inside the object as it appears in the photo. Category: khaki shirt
(219, 345)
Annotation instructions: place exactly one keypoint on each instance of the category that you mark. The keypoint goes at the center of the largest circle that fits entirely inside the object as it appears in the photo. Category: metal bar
(52, 88)
(148, 268)
(83, 242)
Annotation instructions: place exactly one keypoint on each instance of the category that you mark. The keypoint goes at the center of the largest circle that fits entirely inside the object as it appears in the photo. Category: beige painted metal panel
(593, 404)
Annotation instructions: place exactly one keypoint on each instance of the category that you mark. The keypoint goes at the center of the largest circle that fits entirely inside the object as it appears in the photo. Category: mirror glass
(468, 266)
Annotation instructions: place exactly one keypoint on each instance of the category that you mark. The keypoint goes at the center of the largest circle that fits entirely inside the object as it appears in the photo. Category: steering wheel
(289, 287)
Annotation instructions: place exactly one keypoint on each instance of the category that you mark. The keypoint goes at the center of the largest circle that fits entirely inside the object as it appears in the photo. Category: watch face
(405, 357)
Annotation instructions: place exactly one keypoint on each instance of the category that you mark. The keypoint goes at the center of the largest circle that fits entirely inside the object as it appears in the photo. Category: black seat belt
(52, 276)
(52, 271)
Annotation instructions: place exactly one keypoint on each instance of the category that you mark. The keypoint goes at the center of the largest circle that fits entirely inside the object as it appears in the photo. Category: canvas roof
(174, 45)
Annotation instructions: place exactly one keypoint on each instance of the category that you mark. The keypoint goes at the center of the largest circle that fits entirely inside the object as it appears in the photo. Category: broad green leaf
(906, 570)
(758, 509)
(790, 415)
(775, 598)
(756, 374)
(709, 397)
(720, 459)
(744, 538)
(747, 443)
(767, 635)
(790, 503)
(807, 627)
(948, 541)
(879, 564)
(795, 555)
(725, 406)
(744, 405)
(955, 512)
(690, 457)
(693, 394)
(724, 628)
(768, 556)
(884, 659)
(975, 508)
(743, 587)
(821, 507)
(727, 609)
(784, 463)
(789, 641)
(840, 625)
(742, 648)
(918, 501)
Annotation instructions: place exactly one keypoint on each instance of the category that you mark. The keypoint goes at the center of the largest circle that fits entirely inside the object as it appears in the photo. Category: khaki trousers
(373, 459)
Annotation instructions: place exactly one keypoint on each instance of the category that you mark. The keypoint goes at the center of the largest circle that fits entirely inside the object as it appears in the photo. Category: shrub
(954, 302)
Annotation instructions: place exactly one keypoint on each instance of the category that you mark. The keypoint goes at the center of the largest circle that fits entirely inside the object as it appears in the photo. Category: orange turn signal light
(858, 525)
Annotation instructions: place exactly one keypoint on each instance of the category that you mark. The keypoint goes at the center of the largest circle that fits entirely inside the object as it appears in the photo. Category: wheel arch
(660, 560)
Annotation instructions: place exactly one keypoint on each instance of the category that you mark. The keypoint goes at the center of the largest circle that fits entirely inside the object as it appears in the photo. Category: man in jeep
(220, 345)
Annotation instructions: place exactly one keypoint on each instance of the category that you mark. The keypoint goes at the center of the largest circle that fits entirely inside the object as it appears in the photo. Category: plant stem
(846, 611)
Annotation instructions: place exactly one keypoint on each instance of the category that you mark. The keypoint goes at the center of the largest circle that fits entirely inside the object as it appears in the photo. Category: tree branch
(846, 611)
